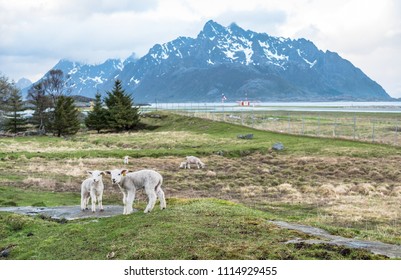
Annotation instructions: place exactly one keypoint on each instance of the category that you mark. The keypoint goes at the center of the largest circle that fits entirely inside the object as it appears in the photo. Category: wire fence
(361, 126)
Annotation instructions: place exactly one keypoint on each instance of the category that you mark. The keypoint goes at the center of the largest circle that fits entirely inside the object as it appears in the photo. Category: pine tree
(66, 121)
(122, 114)
(41, 103)
(97, 118)
(15, 121)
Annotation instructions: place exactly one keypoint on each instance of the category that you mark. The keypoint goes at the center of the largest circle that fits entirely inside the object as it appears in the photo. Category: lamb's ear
(89, 172)
(103, 172)
(107, 172)
(124, 172)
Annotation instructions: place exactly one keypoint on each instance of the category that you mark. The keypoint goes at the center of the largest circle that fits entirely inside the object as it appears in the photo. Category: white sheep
(129, 182)
(92, 188)
(126, 159)
(194, 160)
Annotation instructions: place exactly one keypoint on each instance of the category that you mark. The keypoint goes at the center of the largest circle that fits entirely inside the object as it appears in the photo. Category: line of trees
(55, 111)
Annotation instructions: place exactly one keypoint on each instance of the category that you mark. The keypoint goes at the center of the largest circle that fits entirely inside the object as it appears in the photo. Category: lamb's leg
(130, 201)
(125, 203)
(87, 202)
(100, 201)
(160, 195)
(152, 199)
(93, 197)
(84, 201)
(124, 199)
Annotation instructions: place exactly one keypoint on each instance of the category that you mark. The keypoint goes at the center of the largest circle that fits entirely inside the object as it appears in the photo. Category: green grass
(11, 196)
(188, 229)
(175, 135)
(368, 127)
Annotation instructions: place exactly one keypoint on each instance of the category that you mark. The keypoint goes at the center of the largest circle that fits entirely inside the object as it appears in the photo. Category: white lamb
(129, 182)
(126, 159)
(194, 160)
(92, 188)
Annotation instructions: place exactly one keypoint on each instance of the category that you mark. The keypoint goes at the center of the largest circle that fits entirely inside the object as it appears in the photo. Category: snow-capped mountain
(86, 79)
(23, 83)
(230, 61)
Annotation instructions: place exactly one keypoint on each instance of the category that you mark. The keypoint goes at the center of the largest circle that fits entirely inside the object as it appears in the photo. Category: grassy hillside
(175, 135)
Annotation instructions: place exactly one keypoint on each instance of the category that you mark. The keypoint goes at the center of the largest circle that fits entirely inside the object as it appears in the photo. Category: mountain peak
(23, 83)
(230, 60)
(235, 27)
(211, 28)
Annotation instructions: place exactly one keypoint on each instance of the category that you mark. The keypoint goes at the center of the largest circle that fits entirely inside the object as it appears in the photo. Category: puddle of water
(66, 212)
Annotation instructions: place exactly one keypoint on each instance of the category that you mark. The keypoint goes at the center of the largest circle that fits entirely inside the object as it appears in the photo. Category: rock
(5, 253)
(245, 136)
(110, 255)
(210, 173)
(278, 146)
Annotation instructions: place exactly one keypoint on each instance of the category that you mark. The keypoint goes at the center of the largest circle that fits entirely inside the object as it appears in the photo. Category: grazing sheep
(129, 182)
(92, 188)
(126, 159)
(194, 160)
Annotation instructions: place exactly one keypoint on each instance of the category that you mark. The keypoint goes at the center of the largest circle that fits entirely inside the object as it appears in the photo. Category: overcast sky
(36, 34)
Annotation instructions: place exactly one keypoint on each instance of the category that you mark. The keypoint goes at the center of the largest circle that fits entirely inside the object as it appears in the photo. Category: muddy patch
(389, 250)
(66, 212)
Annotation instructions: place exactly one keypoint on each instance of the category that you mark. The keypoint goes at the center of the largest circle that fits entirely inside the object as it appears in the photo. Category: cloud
(40, 32)
(259, 20)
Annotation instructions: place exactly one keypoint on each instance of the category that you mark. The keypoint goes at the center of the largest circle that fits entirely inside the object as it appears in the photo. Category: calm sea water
(379, 107)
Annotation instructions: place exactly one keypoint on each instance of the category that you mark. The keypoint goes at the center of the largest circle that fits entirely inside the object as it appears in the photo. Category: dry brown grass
(347, 190)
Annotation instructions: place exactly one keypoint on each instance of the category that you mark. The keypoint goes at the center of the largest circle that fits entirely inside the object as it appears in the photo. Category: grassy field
(370, 127)
(349, 188)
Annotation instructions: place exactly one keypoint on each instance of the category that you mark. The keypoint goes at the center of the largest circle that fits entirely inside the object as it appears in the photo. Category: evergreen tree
(97, 118)
(122, 115)
(15, 122)
(41, 103)
(66, 121)
(5, 91)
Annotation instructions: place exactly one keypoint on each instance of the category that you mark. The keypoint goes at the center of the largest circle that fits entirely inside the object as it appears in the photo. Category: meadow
(346, 187)
(370, 127)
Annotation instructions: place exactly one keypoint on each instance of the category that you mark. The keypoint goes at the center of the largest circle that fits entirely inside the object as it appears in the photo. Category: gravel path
(389, 250)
